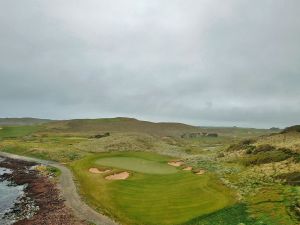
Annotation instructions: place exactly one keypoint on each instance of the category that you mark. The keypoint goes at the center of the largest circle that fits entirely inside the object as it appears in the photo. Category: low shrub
(291, 178)
(263, 148)
(247, 141)
(265, 157)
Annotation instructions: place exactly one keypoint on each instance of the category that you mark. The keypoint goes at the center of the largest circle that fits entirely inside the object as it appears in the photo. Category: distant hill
(295, 128)
(130, 125)
(22, 121)
(120, 124)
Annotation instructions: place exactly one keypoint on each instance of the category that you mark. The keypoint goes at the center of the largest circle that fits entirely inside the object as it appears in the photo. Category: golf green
(155, 193)
(137, 165)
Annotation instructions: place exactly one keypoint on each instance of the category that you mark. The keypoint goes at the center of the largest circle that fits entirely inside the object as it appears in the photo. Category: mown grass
(151, 198)
(136, 164)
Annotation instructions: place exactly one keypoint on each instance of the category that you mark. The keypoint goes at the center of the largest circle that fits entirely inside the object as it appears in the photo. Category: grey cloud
(202, 62)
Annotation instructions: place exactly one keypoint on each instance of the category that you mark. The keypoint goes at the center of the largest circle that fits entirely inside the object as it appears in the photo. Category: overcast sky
(203, 62)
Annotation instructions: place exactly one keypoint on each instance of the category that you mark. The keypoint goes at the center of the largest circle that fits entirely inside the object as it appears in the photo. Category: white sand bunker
(118, 176)
(189, 168)
(175, 163)
(97, 171)
(200, 172)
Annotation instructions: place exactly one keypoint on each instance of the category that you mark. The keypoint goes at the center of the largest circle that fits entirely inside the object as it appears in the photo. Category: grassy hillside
(17, 131)
(269, 175)
(94, 126)
(288, 139)
(21, 121)
(238, 132)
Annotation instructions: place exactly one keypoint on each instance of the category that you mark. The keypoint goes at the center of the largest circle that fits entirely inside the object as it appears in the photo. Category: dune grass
(145, 198)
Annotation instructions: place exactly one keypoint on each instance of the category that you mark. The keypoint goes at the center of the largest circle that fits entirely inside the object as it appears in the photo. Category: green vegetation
(21, 121)
(17, 131)
(233, 215)
(136, 164)
(257, 166)
(144, 198)
(292, 129)
(53, 170)
(265, 157)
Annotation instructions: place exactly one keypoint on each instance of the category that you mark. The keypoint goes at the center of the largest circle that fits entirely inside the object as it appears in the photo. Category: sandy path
(69, 192)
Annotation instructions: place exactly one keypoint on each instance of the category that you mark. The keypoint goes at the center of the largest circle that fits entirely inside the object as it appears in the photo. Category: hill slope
(22, 121)
(92, 126)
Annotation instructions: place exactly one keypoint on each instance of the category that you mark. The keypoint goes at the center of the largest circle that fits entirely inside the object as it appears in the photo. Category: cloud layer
(205, 62)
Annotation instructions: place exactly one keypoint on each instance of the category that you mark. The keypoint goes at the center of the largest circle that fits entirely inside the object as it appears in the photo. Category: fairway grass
(155, 193)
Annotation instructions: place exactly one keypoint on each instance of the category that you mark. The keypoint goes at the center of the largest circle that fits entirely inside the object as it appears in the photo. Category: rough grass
(233, 215)
(264, 157)
(94, 126)
(271, 205)
(151, 199)
(17, 131)
(21, 121)
(290, 140)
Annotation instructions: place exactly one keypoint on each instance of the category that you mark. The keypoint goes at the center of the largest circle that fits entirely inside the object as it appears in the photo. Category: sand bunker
(175, 163)
(200, 172)
(118, 176)
(189, 168)
(97, 171)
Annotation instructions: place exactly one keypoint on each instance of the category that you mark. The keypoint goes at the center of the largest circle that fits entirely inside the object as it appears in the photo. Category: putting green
(162, 197)
(137, 165)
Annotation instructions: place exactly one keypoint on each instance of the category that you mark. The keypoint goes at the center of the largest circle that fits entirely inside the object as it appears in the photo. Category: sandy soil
(97, 171)
(118, 176)
(175, 163)
(189, 168)
(200, 172)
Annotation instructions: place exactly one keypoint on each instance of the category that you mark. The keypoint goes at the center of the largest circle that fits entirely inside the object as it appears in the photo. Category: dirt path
(69, 192)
